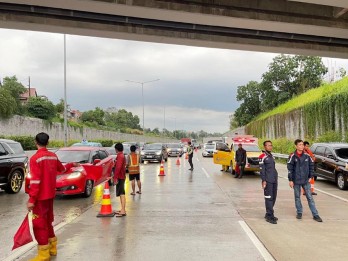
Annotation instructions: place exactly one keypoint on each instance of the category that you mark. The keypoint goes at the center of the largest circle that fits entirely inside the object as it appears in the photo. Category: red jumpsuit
(44, 167)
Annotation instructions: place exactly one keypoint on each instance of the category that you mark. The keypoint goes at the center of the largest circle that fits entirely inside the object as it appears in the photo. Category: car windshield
(249, 147)
(80, 156)
(126, 149)
(173, 145)
(209, 147)
(16, 147)
(342, 153)
(153, 147)
(112, 151)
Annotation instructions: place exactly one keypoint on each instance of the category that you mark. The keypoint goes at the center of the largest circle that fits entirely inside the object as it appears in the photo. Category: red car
(96, 167)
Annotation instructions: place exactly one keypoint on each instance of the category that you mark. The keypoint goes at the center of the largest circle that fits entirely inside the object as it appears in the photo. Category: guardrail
(281, 156)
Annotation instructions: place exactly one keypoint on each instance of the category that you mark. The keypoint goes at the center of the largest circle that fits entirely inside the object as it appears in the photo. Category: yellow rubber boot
(43, 253)
(53, 246)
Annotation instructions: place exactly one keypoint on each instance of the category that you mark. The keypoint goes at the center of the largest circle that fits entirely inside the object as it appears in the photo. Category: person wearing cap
(240, 161)
(190, 154)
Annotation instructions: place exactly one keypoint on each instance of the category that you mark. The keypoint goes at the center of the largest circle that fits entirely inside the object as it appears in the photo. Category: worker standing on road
(120, 178)
(190, 154)
(134, 169)
(301, 168)
(240, 161)
(269, 177)
(44, 168)
(310, 153)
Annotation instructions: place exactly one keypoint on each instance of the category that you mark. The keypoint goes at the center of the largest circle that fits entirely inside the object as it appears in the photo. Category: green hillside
(309, 97)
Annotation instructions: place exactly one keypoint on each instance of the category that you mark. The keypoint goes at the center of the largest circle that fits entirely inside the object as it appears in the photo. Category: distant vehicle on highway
(331, 162)
(154, 152)
(174, 149)
(96, 167)
(208, 149)
(87, 144)
(13, 165)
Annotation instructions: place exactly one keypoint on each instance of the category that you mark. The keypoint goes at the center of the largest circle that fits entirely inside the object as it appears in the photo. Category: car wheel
(14, 183)
(341, 181)
(232, 169)
(166, 159)
(88, 188)
(315, 178)
(111, 180)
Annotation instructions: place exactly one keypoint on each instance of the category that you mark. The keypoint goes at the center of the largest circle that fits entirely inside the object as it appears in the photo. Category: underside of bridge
(310, 27)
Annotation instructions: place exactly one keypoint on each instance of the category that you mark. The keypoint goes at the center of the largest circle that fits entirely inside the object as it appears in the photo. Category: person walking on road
(120, 178)
(300, 171)
(240, 161)
(269, 177)
(310, 153)
(134, 169)
(190, 154)
(44, 168)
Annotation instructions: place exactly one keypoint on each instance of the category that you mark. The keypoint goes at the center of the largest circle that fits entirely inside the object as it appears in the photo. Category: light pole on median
(65, 102)
(142, 95)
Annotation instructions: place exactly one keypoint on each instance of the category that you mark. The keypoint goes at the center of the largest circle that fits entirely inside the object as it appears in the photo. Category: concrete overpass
(310, 27)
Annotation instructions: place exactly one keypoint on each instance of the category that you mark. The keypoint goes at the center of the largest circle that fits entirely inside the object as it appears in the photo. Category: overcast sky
(197, 86)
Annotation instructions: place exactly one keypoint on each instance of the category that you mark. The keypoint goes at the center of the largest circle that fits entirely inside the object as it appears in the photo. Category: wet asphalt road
(290, 239)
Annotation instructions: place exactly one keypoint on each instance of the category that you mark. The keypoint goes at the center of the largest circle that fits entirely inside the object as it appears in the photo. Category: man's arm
(262, 169)
(291, 167)
(35, 181)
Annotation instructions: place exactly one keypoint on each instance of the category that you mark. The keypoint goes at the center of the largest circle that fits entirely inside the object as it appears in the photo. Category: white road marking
(324, 192)
(332, 195)
(206, 173)
(257, 243)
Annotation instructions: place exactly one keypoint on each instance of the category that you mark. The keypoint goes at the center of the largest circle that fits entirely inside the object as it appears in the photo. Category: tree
(288, 76)
(41, 108)
(7, 104)
(250, 95)
(15, 89)
(60, 106)
(94, 116)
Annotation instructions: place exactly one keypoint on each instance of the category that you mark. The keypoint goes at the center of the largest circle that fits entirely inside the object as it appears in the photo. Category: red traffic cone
(161, 173)
(106, 209)
(178, 161)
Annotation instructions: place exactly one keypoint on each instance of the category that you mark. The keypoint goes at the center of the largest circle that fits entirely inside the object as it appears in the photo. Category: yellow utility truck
(225, 154)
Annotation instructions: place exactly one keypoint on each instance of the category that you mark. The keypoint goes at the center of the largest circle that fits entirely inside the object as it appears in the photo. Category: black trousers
(270, 193)
(190, 161)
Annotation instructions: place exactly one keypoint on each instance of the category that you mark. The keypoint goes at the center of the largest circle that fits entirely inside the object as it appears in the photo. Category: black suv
(13, 165)
(331, 162)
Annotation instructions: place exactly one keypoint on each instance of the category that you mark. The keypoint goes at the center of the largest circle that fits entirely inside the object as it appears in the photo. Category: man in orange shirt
(134, 169)
(310, 153)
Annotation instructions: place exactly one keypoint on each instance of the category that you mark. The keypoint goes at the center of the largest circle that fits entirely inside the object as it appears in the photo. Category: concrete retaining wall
(25, 126)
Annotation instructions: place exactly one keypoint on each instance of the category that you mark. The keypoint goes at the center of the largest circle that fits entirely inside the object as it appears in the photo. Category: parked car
(154, 152)
(13, 165)
(331, 162)
(174, 149)
(208, 149)
(96, 167)
(87, 144)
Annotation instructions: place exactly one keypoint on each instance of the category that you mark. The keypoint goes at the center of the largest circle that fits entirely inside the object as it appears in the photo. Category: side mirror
(96, 161)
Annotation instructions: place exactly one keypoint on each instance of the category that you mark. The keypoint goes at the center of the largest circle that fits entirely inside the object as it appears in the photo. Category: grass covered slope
(308, 97)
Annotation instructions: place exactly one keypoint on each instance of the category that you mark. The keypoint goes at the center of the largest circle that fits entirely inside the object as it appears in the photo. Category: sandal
(132, 193)
(120, 215)
(139, 192)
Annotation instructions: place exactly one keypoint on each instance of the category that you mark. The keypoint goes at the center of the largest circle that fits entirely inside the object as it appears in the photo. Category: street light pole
(142, 95)
(65, 103)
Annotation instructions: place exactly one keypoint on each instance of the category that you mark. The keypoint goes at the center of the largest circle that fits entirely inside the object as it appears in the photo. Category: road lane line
(257, 243)
(324, 192)
(206, 173)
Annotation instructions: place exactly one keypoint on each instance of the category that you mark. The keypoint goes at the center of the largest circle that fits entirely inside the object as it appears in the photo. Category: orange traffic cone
(178, 161)
(186, 156)
(161, 170)
(106, 209)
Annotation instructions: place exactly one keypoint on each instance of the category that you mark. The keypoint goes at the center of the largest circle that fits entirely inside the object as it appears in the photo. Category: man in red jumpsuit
(44, 167)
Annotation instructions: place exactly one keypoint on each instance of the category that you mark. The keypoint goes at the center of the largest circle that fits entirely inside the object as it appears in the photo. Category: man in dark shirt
(269, 177)
(240, 161)
(300, 171)
(120, 178)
